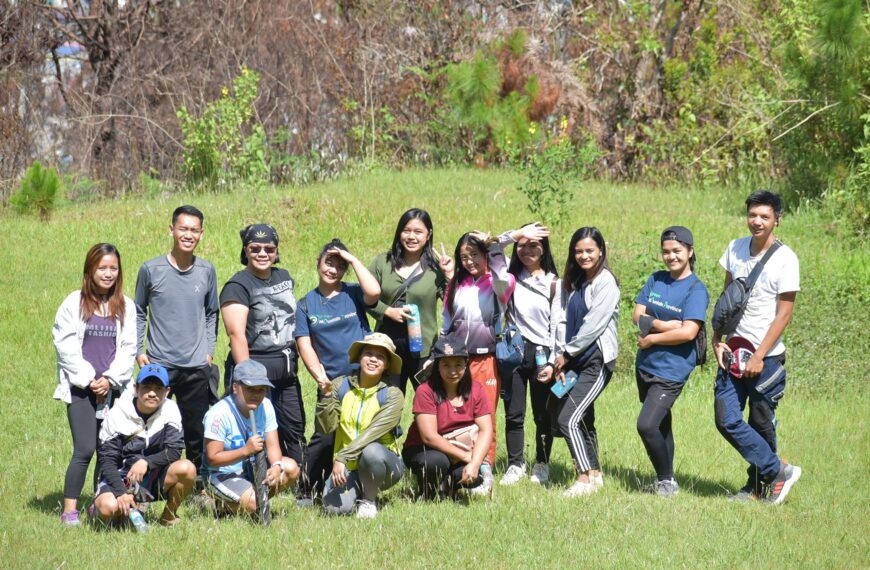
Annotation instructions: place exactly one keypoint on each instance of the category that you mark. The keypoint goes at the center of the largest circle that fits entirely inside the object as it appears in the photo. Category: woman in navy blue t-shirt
(670, 311)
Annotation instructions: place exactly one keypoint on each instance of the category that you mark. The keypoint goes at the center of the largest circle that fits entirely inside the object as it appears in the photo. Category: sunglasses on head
(254, 249)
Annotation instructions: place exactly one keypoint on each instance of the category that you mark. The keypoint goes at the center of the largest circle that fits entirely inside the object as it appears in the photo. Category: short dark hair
(765, 198)
(187, 210)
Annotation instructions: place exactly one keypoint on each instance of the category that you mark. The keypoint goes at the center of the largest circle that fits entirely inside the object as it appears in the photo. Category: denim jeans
(756, 440)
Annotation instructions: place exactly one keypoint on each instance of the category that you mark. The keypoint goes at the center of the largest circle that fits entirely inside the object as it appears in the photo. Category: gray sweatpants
(378, 469)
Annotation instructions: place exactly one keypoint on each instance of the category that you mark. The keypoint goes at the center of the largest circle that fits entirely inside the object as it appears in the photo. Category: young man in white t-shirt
(762, 380)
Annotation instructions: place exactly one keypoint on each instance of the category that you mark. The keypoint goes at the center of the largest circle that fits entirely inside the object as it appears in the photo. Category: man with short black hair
(176, 294)
(758, 372)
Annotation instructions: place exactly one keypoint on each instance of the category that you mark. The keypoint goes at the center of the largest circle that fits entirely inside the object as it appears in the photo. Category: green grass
(823, 419)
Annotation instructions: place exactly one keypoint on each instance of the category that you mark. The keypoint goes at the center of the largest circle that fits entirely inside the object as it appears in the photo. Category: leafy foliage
(225, 142)
(38, 191)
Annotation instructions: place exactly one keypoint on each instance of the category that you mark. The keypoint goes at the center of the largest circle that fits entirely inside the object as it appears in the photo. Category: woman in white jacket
(95, 336)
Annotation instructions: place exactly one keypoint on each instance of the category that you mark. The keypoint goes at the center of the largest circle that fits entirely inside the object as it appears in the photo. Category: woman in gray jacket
(586, 345)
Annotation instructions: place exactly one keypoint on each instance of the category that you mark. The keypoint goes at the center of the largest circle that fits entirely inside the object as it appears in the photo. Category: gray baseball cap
(251, 373)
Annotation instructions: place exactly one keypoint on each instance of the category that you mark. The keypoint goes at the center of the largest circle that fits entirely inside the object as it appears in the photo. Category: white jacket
(68, 333)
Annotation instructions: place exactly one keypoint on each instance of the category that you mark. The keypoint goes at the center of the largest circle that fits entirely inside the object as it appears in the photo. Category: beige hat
(383, 341)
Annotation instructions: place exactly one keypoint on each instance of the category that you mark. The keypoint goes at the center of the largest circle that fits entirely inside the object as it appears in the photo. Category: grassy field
(823, 420)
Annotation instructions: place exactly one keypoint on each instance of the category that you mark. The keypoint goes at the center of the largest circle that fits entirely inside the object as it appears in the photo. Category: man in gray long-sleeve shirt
(176, 294)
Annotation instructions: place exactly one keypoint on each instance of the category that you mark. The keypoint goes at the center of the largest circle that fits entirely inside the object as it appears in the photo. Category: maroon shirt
(449, 417)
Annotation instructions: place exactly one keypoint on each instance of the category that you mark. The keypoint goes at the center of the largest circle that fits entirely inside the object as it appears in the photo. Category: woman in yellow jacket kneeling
(364, 413)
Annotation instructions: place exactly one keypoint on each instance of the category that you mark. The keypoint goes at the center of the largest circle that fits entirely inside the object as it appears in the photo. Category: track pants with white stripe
(576, 415)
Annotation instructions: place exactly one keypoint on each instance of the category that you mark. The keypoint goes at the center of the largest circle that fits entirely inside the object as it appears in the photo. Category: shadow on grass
(49, 504)
(634, 480)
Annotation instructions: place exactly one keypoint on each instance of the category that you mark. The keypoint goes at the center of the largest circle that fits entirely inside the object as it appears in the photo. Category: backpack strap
(759, 267)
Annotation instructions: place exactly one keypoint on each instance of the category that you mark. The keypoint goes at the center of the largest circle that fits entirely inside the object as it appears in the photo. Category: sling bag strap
(412, 278)
(759, 267)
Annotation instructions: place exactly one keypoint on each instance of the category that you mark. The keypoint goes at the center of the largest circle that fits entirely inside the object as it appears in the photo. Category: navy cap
(679, 233)
(153, 371)
(449, 345)
(251, 373)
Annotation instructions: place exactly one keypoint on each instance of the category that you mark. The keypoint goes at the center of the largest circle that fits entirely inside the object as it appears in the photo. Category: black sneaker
(782, 484)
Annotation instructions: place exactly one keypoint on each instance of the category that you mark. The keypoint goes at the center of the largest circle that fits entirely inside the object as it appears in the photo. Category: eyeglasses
(255, 249)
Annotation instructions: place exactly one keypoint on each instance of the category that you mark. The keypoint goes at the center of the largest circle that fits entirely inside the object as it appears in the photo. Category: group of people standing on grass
(568, 326)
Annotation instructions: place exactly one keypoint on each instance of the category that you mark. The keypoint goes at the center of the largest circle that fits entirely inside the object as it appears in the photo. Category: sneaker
(70, 518)
(513, 475)
(580, 488)
(597, 480)
(540, 474)
(366, 510)
(745, 494)
(305, 502)
(782, 484)
(203, 502)
(667, 488)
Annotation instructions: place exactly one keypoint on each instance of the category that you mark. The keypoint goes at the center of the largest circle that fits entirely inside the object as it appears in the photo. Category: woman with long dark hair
(670, 310)
(532, 308)
(410, 273)
(448, 403)
(586, 345)
(95, 336)
(475, 303)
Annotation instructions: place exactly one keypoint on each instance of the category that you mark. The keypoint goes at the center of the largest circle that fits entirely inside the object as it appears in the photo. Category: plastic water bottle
(415, 333)
(540, 359)
(138, 521)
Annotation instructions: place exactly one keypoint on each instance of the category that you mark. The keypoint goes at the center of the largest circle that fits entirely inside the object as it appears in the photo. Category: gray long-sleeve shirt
(181, 311)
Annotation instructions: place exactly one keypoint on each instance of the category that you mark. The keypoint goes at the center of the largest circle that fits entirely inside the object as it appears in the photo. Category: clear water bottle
(415, 332)
(540, 359)
(138, 521)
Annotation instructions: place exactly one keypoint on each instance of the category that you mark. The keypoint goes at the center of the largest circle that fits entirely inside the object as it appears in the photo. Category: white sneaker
(513, 475)
(540, 474)
(580, 488)
(597, 480)
(366, 510)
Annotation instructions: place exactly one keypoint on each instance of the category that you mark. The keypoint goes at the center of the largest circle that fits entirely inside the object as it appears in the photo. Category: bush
(38, 191)
(225, 143)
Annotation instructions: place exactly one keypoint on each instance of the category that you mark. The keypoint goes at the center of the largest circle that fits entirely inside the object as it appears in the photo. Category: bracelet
(279, 464)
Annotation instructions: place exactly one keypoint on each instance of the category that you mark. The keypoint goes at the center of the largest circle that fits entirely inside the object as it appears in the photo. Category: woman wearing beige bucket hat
(364, 413)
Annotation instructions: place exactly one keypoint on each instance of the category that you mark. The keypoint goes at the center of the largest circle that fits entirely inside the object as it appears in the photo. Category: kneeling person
(364, 412)
(230, 443)
(140, 451)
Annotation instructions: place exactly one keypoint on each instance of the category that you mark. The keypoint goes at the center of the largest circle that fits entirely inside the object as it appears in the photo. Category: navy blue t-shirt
(333, 324)
(667, 299)
(575, 313)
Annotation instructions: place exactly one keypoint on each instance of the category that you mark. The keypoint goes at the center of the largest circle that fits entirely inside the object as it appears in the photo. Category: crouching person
(230, 443)
(364, 412)
(140, 449)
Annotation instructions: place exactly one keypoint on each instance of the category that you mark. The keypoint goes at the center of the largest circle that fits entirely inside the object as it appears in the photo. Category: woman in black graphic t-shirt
(259, 313)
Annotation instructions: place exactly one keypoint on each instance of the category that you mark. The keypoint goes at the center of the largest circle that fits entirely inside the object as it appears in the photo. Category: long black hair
(437, 383)
(461, 273)
(515, 267)
(574, 277)
(394, 256)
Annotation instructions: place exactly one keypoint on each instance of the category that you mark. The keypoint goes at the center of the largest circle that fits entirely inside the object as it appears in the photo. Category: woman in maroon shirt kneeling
(452, 426)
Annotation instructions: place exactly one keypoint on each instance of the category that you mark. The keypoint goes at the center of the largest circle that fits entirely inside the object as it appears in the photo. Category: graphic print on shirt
(276, 309)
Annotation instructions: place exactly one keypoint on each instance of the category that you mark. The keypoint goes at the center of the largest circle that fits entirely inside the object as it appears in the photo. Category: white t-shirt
(781, 274)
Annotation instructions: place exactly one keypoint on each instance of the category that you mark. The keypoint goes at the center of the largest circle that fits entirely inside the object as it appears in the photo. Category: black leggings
(85, 427)
(432, 467)
(515, 411)
(654, 422)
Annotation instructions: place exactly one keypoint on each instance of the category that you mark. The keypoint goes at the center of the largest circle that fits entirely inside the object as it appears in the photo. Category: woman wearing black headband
(259, 312)
(670, 311)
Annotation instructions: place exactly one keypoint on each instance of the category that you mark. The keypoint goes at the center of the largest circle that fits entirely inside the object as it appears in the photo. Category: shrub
(38, 191)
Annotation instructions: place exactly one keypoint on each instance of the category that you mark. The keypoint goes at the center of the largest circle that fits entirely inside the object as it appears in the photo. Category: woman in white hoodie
(95, 336)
